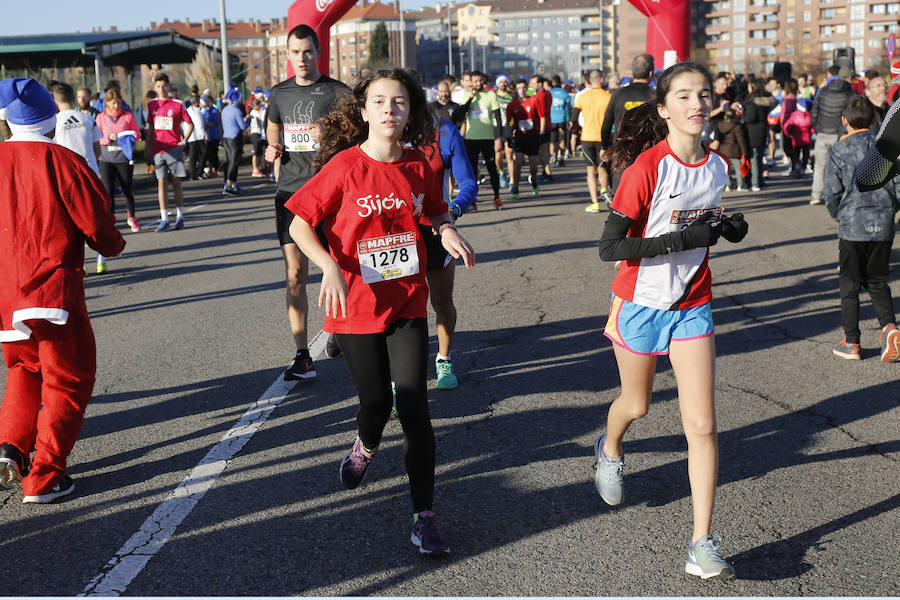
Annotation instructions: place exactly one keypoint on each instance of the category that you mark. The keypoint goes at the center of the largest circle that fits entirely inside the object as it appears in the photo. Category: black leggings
(399, 354)
(196, 155)
(233, 154)
(486, 149)
(212, 154)
(122, 172)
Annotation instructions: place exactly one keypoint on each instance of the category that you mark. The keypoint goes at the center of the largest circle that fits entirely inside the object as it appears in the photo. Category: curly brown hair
(344, 127)
(641, 129)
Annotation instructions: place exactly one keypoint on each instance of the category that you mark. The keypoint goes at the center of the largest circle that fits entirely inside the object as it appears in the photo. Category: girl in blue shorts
(665, 215)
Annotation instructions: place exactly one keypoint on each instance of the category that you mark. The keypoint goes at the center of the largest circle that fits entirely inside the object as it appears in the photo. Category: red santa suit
(50, 204)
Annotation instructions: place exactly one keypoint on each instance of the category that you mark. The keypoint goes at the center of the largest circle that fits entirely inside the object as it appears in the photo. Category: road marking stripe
(159, 527)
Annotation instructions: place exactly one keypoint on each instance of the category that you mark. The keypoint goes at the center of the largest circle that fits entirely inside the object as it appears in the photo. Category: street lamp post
(402, 36)
(226, 67)
(449, 39)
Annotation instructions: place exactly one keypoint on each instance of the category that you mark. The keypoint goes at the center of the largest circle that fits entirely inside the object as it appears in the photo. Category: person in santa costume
(51, 203)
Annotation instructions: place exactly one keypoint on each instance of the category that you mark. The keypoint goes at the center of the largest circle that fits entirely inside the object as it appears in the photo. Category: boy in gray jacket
(865, 233)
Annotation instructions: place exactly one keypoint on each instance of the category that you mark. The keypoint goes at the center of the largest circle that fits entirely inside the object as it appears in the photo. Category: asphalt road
(192, 331)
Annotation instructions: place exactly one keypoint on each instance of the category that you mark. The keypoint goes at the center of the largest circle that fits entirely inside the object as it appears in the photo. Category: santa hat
(233, 95)
(125, 141)
(27, 106)
(804, 104)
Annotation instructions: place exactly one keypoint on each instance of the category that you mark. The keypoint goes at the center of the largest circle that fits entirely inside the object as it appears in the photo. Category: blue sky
(60, 16)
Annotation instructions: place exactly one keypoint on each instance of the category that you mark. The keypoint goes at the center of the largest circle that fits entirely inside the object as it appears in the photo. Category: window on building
(807, 15)
(827, 46)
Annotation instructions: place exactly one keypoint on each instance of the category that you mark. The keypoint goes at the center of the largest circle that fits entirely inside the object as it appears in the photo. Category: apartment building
(751, 35)
(519, 37)
(248, 40)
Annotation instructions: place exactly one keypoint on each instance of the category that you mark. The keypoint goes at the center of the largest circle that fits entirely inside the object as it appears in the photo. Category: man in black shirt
(625, 98)
(444, 106)
(295, 106)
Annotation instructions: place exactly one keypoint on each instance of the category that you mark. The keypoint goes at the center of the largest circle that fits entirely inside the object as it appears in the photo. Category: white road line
(159, 527)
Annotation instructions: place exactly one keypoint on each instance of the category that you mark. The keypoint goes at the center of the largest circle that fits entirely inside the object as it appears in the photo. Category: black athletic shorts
(529, 145)
(283, 218)
(592, 154)
(558, 133)
(257, 145)
(438, 257)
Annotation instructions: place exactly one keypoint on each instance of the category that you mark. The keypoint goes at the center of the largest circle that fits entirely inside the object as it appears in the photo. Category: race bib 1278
(388, 257)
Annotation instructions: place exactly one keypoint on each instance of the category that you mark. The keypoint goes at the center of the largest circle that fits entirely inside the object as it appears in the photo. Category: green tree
(378, 47)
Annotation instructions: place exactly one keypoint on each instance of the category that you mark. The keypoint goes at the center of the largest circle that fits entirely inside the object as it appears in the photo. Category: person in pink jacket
(798, 127)
(116, 160)
(51, 203)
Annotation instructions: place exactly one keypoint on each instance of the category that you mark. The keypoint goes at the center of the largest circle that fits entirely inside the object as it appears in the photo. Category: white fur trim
(21, 331)
(39, 128)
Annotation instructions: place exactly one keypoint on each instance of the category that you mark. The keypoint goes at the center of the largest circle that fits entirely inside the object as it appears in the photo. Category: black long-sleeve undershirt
(616, 245)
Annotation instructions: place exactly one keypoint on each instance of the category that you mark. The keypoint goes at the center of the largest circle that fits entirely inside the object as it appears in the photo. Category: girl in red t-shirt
(661, 226)
(368, 196)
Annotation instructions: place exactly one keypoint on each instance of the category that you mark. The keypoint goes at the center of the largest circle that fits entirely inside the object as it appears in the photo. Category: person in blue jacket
(213, 134)
(452, 157)
(233, 125)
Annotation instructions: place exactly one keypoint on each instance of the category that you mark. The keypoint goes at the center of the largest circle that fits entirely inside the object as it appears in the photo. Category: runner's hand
(333, 293)
(457, 246)
(700, 233)
(273, 152)
(734, 228)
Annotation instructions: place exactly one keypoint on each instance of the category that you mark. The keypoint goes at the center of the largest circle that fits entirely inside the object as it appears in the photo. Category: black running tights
(399, 354)
(233, 157)
(864, 265)
(123, 172)
(486, 149)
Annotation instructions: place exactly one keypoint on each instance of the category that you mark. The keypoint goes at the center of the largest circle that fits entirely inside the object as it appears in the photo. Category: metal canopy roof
(113, 48)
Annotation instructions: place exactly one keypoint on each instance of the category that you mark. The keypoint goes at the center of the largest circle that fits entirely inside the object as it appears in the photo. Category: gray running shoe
(705, 560)
(609, 475)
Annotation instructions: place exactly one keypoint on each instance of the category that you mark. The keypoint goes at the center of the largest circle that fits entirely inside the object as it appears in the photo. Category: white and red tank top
(662, 194)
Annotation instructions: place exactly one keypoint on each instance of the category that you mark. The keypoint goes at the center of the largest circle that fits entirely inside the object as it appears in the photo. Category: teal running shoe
(446, 379)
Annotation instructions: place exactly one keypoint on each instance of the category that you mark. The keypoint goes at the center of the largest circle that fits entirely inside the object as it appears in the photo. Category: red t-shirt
(524, 115)
(166, 118)
(370, 211)
(543, 102)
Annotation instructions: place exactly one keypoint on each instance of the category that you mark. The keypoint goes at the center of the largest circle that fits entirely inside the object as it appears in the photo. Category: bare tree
(203, 69)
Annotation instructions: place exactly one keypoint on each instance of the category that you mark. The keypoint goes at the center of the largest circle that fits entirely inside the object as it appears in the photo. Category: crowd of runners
(369, 182)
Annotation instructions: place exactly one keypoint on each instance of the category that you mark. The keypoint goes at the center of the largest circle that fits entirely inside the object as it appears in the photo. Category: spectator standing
(876, 92)
(196, 142)
(233, 125)
(826, 118)
(637, 92)
(732, 139)
(213, 135)
(483, 127)
(756, 111)
(257, 135)
(865, 233)
(798, 128)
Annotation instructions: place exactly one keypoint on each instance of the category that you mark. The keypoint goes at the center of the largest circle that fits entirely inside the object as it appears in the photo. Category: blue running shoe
(237, 189)
(163, 226)
(179, 224)
(504, 180)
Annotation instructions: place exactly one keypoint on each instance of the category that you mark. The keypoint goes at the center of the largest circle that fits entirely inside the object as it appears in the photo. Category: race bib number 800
(388, 257)
(298, 138)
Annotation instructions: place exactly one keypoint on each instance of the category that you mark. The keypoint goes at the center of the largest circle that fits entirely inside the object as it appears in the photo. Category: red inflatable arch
(668, 28)
(320, 15)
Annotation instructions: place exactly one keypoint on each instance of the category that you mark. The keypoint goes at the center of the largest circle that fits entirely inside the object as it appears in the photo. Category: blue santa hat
(233, 95)
(27, 106)
(125, 141)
